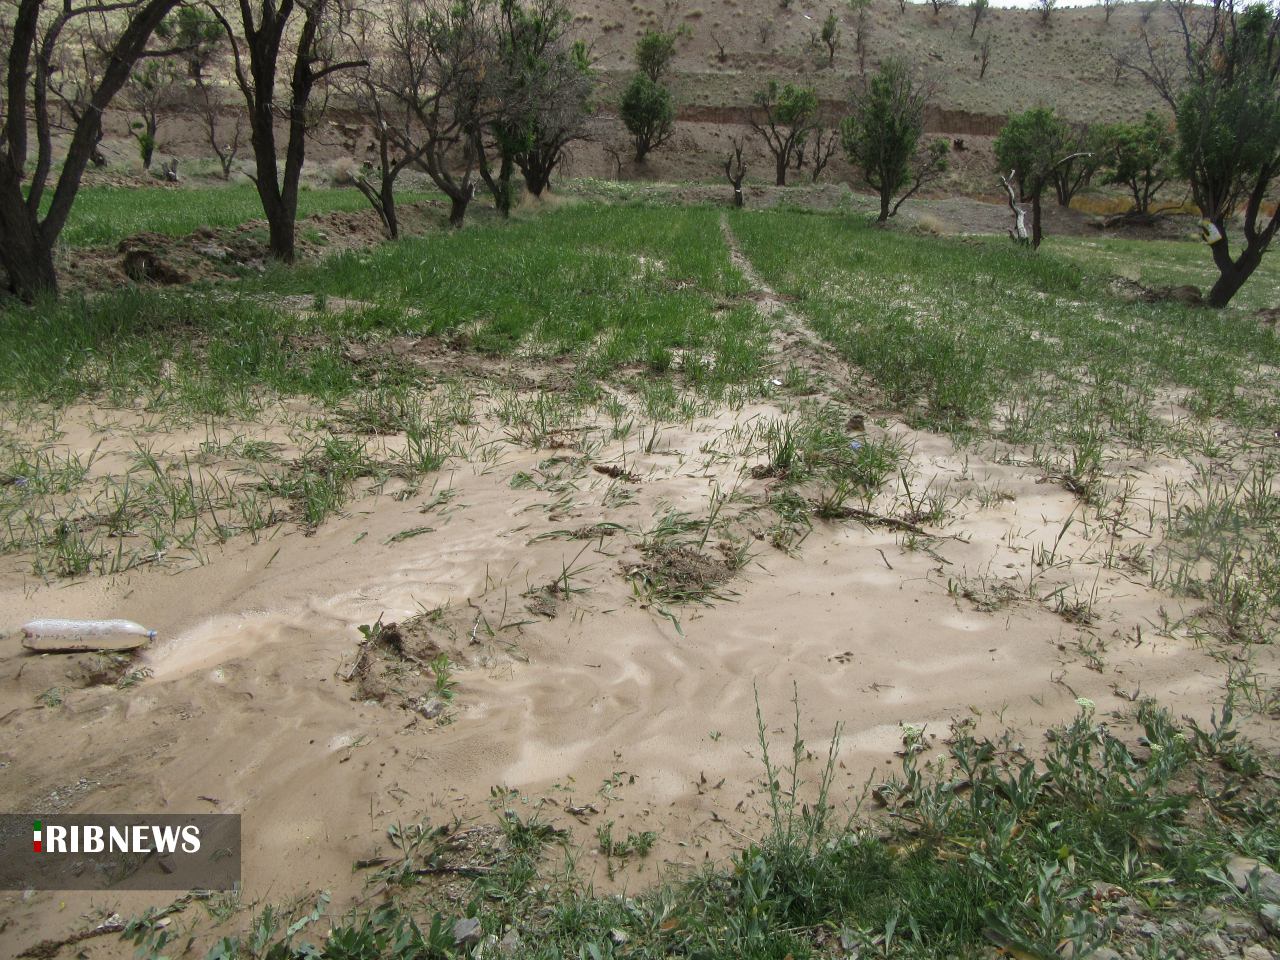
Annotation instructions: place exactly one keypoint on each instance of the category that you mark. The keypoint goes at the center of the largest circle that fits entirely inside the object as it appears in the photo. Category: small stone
(1105, 953)
(1132, 906)
(431, 708)
(1242, 870)
(1256, 951)
(510, 944)
(1238, 925)
(1270, 917)
(466, 931)
(1215, 946)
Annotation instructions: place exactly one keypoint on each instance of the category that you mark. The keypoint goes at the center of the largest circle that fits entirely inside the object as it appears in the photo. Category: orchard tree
(1139, 156)
(1224, 89)
(831, 37)
(309, 35)
(197, 34)
(649, 115)
(537, 87)
(784, 118)
(1080, 161)
(647, 109)
(1033, 146)
(654, 52)
(37, 31)
(883, 137)
(430, 78)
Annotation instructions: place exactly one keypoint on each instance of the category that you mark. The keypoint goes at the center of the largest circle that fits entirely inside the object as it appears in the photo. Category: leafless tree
(735, 169)
(311, 37)
(36, 35)
(74, 71)
(1108, 8)
(825, 143)
(984, 56)
(210, 105)
(721, 55)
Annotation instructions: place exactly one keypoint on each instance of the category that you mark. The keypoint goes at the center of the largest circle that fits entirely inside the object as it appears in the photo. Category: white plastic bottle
(85, 628)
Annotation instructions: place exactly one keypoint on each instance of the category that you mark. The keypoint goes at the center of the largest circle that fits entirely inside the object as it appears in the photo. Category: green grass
(612, 288)
(981, 335)
(1168, 263)
(103, 215)
(650, 290)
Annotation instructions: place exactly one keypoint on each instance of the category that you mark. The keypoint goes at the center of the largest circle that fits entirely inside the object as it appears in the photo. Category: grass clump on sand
(1105, 840)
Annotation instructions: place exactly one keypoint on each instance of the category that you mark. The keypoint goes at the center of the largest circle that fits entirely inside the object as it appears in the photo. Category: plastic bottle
(83, 628)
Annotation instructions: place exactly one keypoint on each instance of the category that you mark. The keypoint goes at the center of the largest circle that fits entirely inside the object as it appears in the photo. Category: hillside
(1067, 63)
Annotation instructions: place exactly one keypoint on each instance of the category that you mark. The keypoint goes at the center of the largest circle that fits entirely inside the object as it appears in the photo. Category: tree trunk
(1035, 221)
(536, 179)
(458, 208)
(24, 254)
(738, 200)
(1232, 274)
(280, 223)
(885, 199)
(784, 161)
(389, 216)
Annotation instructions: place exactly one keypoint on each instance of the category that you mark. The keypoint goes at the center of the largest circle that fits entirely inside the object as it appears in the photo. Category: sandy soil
(588, 702)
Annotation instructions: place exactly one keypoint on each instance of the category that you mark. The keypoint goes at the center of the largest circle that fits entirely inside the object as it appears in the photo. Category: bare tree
(736, 170)
(825, 143)
(74, 71)
(1046, 8)
(433, 73)
(210, 105)
(984, 56)
(313, 41)
(940, 5)
(35, 36)
(1108, 8)
(721, 55)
